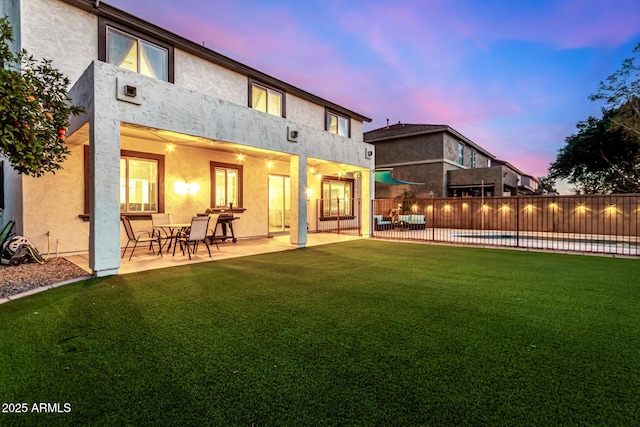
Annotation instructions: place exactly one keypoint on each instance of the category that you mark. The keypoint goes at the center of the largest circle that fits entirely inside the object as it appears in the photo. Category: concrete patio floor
(143, 259)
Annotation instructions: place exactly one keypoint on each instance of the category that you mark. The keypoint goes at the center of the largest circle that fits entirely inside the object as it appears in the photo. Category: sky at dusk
(512, 76)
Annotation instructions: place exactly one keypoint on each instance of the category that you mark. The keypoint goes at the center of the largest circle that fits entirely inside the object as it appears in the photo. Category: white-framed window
(473, 159)
(338, 124)
(266, 99)
(137, 55)
(461, 154)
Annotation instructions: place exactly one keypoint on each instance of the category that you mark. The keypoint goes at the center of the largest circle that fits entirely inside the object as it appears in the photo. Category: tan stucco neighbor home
(171, 126)
(438, 161)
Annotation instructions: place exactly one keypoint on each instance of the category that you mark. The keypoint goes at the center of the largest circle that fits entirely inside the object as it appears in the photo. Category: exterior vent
(368, 154)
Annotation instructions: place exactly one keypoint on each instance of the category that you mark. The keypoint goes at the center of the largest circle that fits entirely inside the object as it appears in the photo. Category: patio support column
(104, 182)
(367, 196)
(298, 176)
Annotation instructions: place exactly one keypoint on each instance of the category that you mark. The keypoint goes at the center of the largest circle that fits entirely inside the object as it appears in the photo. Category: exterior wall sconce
(183, 188)
(309, 192)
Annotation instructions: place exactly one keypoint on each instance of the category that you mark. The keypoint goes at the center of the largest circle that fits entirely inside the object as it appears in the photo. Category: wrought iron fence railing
(602, 224)
(339, 215)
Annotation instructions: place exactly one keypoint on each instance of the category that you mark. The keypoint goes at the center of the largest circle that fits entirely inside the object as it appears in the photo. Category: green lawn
(365, 333)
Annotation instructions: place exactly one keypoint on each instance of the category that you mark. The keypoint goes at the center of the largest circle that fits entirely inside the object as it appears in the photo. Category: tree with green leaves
(34, 110)
(547, 184)
(621, 91)
(599, 158)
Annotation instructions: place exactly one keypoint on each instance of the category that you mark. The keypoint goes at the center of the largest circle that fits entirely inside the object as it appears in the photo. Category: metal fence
(339, 215)
(601, 224)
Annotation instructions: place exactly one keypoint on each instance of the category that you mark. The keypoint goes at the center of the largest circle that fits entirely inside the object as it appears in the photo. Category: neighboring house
(171, 126)
(426, 154)
(446, 163)
(529, 185)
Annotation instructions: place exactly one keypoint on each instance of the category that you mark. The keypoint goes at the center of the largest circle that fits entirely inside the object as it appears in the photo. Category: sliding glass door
(279, 203)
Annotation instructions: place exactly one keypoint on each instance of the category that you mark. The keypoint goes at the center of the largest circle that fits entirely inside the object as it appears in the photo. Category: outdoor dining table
(171, 230)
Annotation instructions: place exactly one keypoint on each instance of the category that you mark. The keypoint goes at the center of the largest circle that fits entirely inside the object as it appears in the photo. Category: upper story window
(461, 154)
(135, 51)
(135, 54)
(338, 124)
(473, 159)
(266, 99)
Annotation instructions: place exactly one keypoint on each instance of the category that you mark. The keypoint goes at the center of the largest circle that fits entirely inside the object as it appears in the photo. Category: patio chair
(213, 222)
(197, 233)
(141, 237)
(158, 220)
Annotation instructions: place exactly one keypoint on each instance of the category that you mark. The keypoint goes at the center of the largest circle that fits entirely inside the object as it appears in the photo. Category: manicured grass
(358, 333)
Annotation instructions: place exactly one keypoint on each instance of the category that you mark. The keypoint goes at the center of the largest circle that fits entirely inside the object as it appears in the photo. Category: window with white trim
(340, 125)
(266, 99)
(137, 55)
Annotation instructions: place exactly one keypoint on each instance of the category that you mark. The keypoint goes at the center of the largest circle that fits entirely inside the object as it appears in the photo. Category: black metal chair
(141, 237)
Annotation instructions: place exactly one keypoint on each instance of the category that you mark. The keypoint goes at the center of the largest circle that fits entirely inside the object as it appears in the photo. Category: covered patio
(144, 259)
(170, 150)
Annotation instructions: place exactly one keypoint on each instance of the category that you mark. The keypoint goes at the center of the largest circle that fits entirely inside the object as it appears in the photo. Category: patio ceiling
(137, 132)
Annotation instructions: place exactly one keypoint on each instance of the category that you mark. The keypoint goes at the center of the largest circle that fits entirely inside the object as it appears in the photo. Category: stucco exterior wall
(202, 76)
(52, 204)
(58, 31)
(411, 149)
(64, 34)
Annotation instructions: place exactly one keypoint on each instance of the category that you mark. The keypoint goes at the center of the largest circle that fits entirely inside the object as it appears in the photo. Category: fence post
(359, 217)
(517, 221)
(433, 220)
(338, 213)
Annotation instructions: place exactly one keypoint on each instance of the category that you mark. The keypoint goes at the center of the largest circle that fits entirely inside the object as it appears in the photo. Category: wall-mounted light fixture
(292, 135)
(183, 188)
(309, 192)
(131, 91)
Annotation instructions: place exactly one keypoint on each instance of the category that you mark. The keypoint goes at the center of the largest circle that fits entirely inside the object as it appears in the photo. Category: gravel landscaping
(17, 279)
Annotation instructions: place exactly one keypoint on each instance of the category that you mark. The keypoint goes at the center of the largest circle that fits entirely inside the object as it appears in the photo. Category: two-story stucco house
(171, 126)
(443, 163)
(426, 154)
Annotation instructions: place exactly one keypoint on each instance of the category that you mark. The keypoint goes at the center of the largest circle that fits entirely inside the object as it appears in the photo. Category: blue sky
(512, 76)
